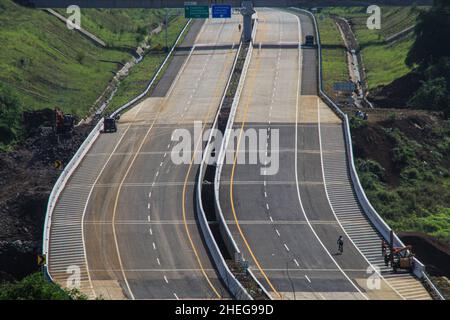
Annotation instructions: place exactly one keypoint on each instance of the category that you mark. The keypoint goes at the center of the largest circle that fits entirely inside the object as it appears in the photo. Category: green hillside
(384, 60)
(49, 65)
(334, 57)
(44, 64)
(122, 28)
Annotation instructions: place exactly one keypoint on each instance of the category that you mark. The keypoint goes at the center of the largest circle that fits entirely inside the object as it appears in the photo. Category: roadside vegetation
(383, 60)
(45, 65)
(141, 74)
(334, 54)
(407, 176)
(403, 155)
(416, 194)
(121, 28)
(430, 55)
(35, 287)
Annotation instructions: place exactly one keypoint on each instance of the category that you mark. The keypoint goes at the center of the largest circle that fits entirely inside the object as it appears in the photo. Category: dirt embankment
(27, 176)
(371, 141)
(434, 254)
(397, 93)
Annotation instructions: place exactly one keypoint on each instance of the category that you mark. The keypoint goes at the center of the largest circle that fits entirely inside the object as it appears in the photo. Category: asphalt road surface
(283, 222)
(139, 232)
(124, 226)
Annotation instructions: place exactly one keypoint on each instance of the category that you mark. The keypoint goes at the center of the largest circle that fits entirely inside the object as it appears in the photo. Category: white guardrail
(236, 287)
(59, 186)
(371, 213)
(224, 230)
(233, 285)
(81, 152)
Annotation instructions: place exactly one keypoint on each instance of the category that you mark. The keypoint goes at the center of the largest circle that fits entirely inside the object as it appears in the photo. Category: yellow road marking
(118, 194)
(252, 85)
(161, 105)
(198, 143)
(183, 200)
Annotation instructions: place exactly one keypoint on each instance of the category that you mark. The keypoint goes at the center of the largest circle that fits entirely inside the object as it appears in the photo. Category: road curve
(140, 236)
(283, 223)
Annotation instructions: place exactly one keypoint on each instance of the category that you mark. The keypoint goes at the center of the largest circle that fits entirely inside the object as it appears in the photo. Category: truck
(309, 40)
(109, 125)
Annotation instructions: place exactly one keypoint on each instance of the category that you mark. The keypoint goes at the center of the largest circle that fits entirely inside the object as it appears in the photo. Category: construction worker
(386, 259)
(340, 243)
(383, 247)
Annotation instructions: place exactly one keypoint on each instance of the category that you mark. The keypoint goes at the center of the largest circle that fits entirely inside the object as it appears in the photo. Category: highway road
(124, 226)
(284, 223)
(139, 237)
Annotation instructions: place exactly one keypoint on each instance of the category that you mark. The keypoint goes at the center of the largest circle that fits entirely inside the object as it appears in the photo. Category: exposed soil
(27, 176)
(433, 253)
(372, 141)
(397, 93)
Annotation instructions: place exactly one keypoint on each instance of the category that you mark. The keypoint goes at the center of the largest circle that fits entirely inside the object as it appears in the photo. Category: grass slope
(384, 62)
(48, 65)
(122, 28)
(334, 57)
(139, 77)
(406, 177)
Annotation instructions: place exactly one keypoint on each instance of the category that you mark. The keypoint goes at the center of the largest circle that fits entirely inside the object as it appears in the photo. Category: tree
(35, 287)
(433, 94)
(432, 36)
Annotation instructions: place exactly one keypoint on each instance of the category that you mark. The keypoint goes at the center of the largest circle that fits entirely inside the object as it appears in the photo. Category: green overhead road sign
(196, 12)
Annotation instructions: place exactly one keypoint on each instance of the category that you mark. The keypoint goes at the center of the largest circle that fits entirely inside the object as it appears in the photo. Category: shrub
(410, 173)
(432, 94)
(35, 287)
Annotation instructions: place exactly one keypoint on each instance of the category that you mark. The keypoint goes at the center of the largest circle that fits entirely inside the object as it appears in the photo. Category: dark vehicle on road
(309, 40)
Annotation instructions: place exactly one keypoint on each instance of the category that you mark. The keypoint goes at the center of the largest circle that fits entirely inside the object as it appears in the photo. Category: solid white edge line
(109, 158)
(48, 217)
(296, 170)
(87, 203)
(334, 213)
